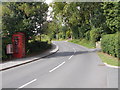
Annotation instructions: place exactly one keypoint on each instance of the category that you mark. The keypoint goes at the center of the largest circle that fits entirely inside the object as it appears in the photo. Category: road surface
(73, 66)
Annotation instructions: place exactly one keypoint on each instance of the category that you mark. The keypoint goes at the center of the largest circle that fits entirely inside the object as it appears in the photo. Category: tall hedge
(111, 44)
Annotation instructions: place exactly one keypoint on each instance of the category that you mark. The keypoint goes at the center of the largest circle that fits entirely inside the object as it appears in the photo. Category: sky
(48, 1)
(49, 10)
(49, 16)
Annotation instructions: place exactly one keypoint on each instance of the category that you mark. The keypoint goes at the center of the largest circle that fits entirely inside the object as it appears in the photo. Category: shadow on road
(63, 54)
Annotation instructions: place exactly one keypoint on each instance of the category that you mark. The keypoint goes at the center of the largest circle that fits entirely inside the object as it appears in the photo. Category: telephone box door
(18, 41)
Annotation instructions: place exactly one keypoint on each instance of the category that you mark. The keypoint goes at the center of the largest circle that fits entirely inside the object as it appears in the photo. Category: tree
(52, 29)
(76, 16)
(27, 17)
(86, 20)
(111, 12)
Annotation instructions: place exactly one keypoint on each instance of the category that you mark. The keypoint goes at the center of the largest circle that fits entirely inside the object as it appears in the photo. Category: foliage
(38, 46)
(111, 12)
(52, 29)
(43, 38)
(27, 17)
(95, 34)
(0, 16)
(81, 18)
(87, 35)
(68, 34)
(110, 44)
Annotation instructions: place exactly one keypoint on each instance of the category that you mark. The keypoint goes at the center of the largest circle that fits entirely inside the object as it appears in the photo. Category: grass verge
(105, 57)
(109, 59)
(83, 42)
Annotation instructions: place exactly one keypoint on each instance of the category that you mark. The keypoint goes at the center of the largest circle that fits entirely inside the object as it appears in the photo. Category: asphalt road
(73, 66)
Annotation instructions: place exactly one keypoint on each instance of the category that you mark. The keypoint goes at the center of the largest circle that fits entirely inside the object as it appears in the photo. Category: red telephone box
(18, 41)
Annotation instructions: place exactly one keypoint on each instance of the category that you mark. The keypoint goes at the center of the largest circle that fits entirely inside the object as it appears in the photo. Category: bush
(111, 45)
(60, 35)
(37, 46)
(95, 34)
(87, 35)
(68, 34)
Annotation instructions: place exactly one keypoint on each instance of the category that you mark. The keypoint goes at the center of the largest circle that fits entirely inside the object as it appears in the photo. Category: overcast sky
(48, 1)
(49, 10)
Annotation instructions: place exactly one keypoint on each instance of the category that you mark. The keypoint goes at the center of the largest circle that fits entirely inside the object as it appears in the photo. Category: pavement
(73, 66)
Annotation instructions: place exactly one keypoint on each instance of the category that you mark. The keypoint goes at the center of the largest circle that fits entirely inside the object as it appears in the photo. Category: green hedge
(111, 45)
(37, 46)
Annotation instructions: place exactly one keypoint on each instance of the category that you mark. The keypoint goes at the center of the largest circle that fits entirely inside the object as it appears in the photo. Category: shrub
(95, 34)
(68, 34)
(111, 45)
(37, 46)
(60, 35)
(87, 35)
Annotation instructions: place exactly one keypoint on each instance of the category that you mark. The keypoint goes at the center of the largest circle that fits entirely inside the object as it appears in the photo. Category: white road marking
(74, 50)
(57, 66)
(73, 54)
(70, 57)
(27, 84)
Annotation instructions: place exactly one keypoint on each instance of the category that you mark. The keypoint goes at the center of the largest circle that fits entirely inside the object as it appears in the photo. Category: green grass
(109, 59)
(44, 38)
(105, 57)
(83, 42)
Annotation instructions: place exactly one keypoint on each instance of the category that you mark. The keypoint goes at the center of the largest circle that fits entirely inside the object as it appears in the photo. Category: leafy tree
(76, 16)
(27, 17)
(87, 20)
(52, 29)
(111, 12)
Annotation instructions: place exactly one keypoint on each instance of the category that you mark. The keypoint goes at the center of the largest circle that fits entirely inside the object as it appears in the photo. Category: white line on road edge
(111, 66)
(70, 57)
(74, 53)
(26, 84)
(57, 66)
